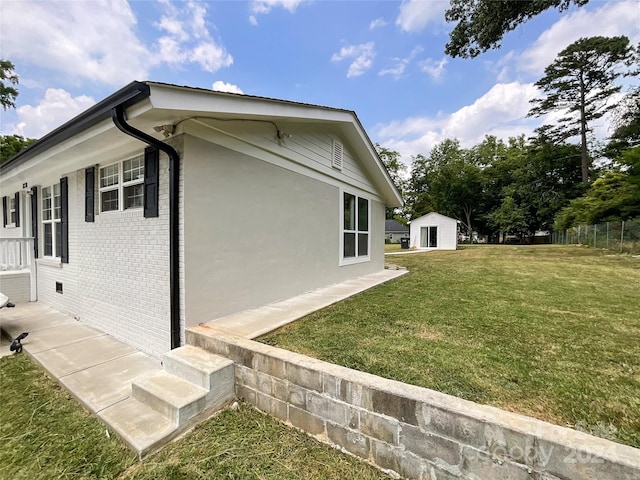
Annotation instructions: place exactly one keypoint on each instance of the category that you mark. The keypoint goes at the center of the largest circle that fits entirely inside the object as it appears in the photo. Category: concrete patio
(134, 393)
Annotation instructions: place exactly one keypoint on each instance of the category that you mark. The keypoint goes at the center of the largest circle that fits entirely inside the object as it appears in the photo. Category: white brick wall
(117, 278)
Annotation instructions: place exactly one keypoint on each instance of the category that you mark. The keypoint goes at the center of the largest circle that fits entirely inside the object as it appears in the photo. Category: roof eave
(127, 96)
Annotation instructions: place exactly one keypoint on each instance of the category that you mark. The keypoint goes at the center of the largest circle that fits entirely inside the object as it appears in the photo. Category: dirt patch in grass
(547, 331)
(430, 335)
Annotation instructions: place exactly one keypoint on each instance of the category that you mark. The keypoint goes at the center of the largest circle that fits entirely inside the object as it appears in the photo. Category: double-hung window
(355, 228)
(122, 185)
(51, 215)
(12, 210)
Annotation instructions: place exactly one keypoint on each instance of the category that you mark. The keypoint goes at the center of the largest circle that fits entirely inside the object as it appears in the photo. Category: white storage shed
(434, 231)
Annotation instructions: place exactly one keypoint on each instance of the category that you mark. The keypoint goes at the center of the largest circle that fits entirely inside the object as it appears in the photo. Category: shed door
(429, 237)
(433, 237)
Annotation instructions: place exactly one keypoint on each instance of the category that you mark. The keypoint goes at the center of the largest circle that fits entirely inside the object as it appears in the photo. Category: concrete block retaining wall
(415, 432)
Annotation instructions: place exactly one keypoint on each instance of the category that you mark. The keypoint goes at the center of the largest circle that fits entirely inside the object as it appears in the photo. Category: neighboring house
(434, 231)
(394, 231)
(162, 207)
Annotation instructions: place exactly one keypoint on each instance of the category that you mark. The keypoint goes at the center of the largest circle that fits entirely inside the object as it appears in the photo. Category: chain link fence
(623, 236)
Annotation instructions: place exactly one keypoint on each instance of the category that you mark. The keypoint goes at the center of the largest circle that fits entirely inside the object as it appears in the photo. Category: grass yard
(548, 331)
(45, 434)
(392, 247)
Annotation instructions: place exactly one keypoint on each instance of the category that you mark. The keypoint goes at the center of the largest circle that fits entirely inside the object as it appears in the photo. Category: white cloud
(377, 23)
(54, 109)
(435, 69)
(173, 27)
(500, 112)
(611, 19)
(98, 40)
(220, 86)
(415, 15)
(400, 64)
(362, 54)
(187, 39)
(210, 56)
(263, 7)
(90, 40)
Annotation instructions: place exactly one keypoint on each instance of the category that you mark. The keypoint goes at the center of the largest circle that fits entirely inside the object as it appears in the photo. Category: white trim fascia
(209, 102)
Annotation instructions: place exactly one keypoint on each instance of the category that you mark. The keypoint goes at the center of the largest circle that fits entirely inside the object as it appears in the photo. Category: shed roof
(433, 215)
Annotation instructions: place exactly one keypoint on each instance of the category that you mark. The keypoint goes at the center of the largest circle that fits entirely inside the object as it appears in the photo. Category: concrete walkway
(99, 371)
(411, 252)
(260, 321)
(94, 367)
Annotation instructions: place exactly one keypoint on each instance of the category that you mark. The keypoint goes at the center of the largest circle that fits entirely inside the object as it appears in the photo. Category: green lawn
(45, 434)
(392, 247)
(548, 331)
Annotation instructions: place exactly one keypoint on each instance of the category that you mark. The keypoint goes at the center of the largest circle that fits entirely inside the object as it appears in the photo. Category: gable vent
(337, 155)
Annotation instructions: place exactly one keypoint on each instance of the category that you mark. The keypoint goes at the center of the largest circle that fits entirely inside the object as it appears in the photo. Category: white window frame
(11, 212)
(358, 258)
(121, 185)
(52, 220)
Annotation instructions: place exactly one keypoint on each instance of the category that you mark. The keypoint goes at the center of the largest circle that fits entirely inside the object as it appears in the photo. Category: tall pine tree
(578, 84)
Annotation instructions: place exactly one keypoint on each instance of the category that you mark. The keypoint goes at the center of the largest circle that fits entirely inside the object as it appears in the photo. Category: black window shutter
(151, 181)
(34, 219)
(4, 211)
(64, 219)
(17, 204)
(89, 193)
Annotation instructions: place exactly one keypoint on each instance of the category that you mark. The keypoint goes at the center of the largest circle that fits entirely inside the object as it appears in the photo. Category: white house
(162, 207)
(434, 231)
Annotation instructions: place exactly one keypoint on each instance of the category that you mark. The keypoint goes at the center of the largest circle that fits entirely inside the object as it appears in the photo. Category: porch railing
(16, 254)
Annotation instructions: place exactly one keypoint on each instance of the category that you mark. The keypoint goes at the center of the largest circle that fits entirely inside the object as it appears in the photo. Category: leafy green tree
(8, 81)
(447, 181)
(511, 218)
(626, 123)
(481, 24)
(12, 144)
(495, 187)
(527, 183)
(396, 168)
(615, 195)
(578, 84)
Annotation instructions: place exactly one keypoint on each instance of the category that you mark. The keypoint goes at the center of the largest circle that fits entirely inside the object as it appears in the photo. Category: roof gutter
(117, 115)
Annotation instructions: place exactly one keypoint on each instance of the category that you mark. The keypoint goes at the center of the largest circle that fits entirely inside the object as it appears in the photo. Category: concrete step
(177, 399)
(199, 367)
(140, 426)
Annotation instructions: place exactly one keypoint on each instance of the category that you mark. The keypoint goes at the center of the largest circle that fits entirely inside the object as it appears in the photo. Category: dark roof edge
(126, 96)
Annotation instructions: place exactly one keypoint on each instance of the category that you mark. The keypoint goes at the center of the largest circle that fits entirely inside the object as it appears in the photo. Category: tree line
(525, 185)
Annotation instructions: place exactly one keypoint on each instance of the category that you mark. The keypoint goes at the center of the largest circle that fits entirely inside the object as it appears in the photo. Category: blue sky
(383, 59)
